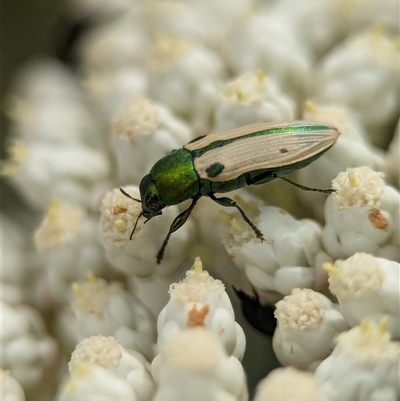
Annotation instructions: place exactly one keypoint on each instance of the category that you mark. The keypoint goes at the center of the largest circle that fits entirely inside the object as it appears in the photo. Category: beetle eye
(152, 202)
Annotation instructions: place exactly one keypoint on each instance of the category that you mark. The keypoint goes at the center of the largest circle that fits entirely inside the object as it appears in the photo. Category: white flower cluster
(131, 245)
(100, 307)
(199, 343)
(362, 216)
(201, 301)
(83, 285)
(100, 368)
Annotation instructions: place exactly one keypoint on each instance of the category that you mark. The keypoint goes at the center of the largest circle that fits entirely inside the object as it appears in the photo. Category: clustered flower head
(87, 313)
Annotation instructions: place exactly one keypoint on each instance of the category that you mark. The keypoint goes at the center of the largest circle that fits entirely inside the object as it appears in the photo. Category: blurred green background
(28, 27)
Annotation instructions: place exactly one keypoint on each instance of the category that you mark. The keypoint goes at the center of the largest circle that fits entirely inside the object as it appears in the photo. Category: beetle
(222, 162)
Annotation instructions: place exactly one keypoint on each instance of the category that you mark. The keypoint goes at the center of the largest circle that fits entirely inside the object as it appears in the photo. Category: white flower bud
(201, 301)
(121, 363)
(92, 382)
(69, 243)
(11, 390)
(102, 308)
(362, 216)
(137, 256)
(115, 44)
(45, 104)
(111, 88)
(289, 384)
(307, 324)
(143, 133)
(251, 98)
(355, 75)
(18, 262)
(313, 23)
(350, 150)
(40, 170)
(61, 223)
(65, 328)
(209, 245)
(185, 78)
(364, 365)
(284, 260)
(358, 14)
(262, 42)
(174, 18)
(194, 362)
(112, 56)
(367, 287)
(27, 350)
(206, 22)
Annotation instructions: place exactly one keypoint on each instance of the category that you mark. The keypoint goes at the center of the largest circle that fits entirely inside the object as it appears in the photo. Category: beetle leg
(179, 221)
(304, 188)
(228, 202)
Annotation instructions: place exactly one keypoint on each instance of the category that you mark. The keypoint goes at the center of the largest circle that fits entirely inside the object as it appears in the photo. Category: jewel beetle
(222, 162)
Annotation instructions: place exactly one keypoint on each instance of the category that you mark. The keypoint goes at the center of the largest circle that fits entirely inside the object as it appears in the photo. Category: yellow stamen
(168, 49)
(260, 76)
(365, 326)
(91, 277)
(241, 202)
(82, 369)
(197, 265)
(18, 151)
(383, 325)
(53, 211)
(120, 224)
(379, 30)
(353, 179)
(310, 106)
(226, 217)
(331, 269)
(240, 228)
(96, 84)
(121, 205)
(240, 97)
(78, 290)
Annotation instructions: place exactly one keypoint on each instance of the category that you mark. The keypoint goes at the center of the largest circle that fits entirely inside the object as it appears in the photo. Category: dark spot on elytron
(214, 169)
(283, 150)
(197, 139)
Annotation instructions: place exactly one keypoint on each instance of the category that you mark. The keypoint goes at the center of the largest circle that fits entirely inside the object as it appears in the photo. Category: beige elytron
(260, 152)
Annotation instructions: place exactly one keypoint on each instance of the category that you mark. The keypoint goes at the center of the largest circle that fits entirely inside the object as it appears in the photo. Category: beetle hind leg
(304, 188)
(228, 202)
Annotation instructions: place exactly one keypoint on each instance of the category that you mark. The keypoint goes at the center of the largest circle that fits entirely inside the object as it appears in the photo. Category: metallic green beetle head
(152, 203)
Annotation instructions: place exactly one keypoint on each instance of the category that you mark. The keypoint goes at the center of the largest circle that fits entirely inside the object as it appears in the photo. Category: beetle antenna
(129, 196)
(134, 228)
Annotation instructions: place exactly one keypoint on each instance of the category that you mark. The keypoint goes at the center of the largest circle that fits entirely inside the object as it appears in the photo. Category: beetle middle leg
(228, 202)
(179, 221)
(304, 188)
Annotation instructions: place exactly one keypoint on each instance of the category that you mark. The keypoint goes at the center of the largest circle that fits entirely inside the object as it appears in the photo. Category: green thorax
(175, 177)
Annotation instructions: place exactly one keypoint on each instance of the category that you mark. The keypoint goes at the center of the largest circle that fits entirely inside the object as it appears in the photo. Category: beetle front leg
(179, 221)
(228, 202)
(304, 188)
